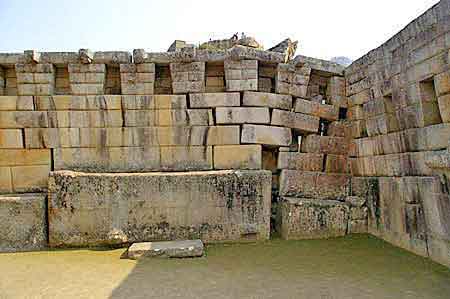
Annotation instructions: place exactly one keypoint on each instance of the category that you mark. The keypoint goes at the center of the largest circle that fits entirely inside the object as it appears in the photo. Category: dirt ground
(351, 267)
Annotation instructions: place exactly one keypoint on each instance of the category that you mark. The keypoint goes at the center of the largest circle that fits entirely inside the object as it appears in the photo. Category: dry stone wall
(355, 150)
(108, 113)
(398, 106)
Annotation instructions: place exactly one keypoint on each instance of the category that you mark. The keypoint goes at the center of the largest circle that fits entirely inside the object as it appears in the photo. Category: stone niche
(91, 209)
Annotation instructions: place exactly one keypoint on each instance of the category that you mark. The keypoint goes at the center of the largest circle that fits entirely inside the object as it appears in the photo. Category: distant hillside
(342, 60)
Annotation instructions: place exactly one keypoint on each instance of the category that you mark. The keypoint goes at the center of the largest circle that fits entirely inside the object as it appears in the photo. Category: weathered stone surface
(134, 159)
(398, 216)
(164, 117)
(11, 138)
(23, 222)
(16, 103)
(238, 157)
(312, 219)
(212, 100)
(94, 209)
(23, 119)
(241, 75)
(131, 102)
(84, 119)
(242, 115)
(325, 145)
(328, 112)
(68, 102)
(444, 107)
(24, 157)
(30, 178)
(265, 99)
(168, 249)
(266, 135)
(337, 164)
(297, 121)
(131, 136)
(300, 161)
(316, 185)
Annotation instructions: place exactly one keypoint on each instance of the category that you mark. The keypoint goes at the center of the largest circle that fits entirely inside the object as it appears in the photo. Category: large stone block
(28, 178)
(242, 115)
(328, 112)
(382, 124)
(298, 121)
(11, 138)
(317, 185)
(270, 100)
(212, 100)
(302, 218)
(5, 180)
(134, 159)
(178, 117)
(266, 135)
(101, 209)
(24, 157)
(325, 145)
(23, 119)
(16, 103)
(300, 161)
(85, 119)
(238, 157)
(337, 164)
(23, 222)
(359, 98)
(150, 102)
(68, 102)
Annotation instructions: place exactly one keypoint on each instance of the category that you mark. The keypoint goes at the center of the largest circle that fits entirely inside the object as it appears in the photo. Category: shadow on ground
(350, 267)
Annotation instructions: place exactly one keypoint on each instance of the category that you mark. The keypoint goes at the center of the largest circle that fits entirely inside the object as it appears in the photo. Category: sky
(324, 29)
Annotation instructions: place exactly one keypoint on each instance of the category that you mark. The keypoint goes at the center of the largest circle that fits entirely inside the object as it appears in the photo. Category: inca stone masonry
(228, 142)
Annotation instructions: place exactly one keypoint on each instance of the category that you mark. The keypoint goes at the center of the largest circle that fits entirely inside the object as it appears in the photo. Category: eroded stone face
(23, 225)
(312, 219)
(98, 209)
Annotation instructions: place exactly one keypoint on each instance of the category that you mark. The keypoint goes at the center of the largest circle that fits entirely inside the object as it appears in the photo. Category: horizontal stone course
(174, 117)
(132, 136)
(134, 159)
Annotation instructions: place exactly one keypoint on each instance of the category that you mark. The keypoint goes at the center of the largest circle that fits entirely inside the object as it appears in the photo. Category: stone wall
(365, 149)
(398, 105)
(188, 111)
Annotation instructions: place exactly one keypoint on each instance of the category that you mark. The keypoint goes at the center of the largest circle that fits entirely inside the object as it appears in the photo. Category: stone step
(168, 249)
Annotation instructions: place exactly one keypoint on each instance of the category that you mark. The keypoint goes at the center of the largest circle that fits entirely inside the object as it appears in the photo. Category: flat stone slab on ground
(168, 249)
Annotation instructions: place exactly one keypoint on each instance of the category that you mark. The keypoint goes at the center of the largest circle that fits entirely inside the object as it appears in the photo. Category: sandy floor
(357, 267)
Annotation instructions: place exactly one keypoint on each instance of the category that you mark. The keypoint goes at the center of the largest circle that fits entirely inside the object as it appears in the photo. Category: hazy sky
(324, 28)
